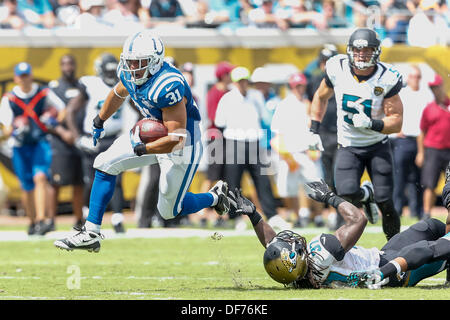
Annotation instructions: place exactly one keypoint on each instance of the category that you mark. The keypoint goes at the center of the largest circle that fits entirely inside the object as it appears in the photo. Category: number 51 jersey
(354, 97)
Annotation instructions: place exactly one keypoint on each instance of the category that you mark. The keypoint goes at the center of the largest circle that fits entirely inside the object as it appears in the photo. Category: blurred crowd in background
(250, 102)
(415, 22)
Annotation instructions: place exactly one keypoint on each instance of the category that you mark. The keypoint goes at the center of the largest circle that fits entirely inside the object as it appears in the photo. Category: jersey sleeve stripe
(328, 81)
(162, 86)
(395, 89)
(158, 82)
(382, 72)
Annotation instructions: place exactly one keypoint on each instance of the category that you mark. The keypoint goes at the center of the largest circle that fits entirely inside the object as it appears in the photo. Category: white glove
(374, 281)
(361, 120)
(371, 279)
(315, 143)
(85, 143)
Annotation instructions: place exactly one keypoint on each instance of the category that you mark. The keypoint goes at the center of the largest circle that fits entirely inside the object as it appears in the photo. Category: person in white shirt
(404, 145)
(298, 164)
(239, 117)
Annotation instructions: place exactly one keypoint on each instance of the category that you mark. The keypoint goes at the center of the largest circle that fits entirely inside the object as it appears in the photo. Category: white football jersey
(354, 97)
(97, 92)
(332, 270)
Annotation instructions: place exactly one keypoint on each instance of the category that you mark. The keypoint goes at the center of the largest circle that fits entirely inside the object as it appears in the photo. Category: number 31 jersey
(353, 96)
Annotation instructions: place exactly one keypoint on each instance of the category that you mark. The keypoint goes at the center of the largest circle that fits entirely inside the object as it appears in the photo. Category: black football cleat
(369, 206)
(220, 189)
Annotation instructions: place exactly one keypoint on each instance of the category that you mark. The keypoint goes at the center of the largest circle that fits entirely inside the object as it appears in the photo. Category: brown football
(150, 130)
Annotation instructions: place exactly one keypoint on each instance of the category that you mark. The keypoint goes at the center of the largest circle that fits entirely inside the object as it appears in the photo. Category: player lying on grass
(412, 257)
(330, 260)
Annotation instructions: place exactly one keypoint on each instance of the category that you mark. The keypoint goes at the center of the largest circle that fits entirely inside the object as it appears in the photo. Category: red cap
(223, 68)
(437, 81)
(296, 79)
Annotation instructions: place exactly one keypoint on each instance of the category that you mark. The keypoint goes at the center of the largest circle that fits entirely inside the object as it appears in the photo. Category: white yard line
(156, 233)
(161, 233)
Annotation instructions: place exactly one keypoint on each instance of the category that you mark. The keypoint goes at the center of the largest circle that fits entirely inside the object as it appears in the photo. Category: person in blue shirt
(28, 114)
(38, 13)
(160, 92)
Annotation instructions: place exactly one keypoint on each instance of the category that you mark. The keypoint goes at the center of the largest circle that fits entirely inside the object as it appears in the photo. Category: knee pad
(442, 248)
(417, 254)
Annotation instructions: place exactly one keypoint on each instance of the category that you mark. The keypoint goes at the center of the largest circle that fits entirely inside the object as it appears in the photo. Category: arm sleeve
(333, 246)
(328, 81)
(395, 89)
(169, 94)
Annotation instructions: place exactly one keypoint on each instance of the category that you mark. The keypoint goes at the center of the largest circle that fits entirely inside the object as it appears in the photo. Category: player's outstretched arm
(393, 109)
(355, 220)
(241, 205)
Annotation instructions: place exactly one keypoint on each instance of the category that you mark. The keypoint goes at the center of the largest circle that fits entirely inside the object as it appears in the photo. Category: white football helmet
(146, 48)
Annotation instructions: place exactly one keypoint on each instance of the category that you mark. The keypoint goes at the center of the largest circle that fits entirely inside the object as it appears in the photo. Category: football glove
(321, 192)
(315, 143)
(136, 142)
(240, 204)
(361, 120)
(372, 279)
(97, 130)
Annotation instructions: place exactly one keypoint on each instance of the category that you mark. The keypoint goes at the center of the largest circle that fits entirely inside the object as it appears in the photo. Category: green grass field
(192, 268)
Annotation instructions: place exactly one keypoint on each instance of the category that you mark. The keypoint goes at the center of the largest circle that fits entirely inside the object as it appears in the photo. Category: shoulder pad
(167, 90)
(335, 65)
(53, 84)
(391, 75)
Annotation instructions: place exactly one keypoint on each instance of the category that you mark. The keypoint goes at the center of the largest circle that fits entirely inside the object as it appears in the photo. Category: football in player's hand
(150, 130)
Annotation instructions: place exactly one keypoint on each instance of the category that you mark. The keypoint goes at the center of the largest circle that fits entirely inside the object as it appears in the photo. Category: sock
(101, 193)
(366, 194)
(215, 200)
(92, 227)
(390, 268)
(194, 202)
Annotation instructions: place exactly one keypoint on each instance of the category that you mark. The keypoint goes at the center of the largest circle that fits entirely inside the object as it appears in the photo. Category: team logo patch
(288, 259)
(360, 43)
(378, 91)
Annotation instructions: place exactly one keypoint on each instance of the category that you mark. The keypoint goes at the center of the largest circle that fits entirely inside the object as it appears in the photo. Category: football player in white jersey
(94, 89)
(368, 109)
(335, 260)
(160, 92)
